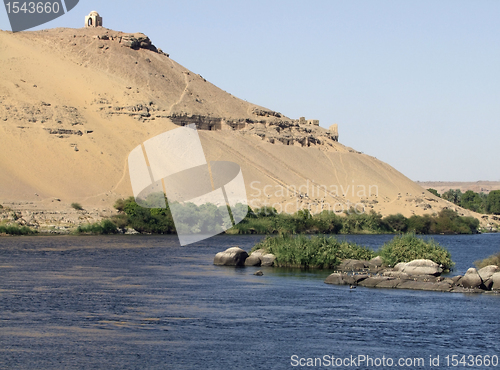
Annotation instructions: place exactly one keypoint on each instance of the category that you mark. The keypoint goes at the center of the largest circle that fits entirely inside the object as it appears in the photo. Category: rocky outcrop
(290, 132)
(234, 256)
(339, 278)
(265, 113)
(486, 274)
(352, 265)
(60, 131)
(209, 123)
(253, 260)
(421, 274)
(415, 275)
(61, 218)
(268, 259)
(471, 279)
(137, 41)
(421, 267)
(495, 280)
(376, 262)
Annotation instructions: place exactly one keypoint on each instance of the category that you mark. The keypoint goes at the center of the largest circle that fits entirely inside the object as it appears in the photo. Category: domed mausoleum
(93, 20)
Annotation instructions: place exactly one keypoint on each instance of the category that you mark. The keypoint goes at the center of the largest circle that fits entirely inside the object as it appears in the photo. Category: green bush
(145, 220)
(120, 220)
(453, 196)
(266, 220)
(397, 222)
(493, 202)
(420, 224)
(314, 252)
(408, 247)
(434, 191)
(491, 260)
(16, 230)
(328, 223)
(103, 227)
(474, 201)
(364, 223)
(449, 222)
(77, 206)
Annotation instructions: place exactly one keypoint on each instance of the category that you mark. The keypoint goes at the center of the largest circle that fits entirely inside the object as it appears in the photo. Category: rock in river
(234, 256)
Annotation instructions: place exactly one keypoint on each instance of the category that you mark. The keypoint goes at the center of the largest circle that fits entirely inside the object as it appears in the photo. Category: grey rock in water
(336, 278)
(422, 267)
(259, 273)
(495, 279)
(486, 273)
(352, 265)
(374, 281)
(400, 266)
(234, 256)
(471, 279)
(376, 261)
(253, 260)
(268, 259)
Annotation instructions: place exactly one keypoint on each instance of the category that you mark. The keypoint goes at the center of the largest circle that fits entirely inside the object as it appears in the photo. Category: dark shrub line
(267, 220)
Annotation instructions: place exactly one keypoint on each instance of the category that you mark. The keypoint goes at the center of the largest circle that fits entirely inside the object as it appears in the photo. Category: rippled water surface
(144, 302)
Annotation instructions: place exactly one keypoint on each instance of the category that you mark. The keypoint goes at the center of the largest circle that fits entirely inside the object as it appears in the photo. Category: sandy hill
(75, 102)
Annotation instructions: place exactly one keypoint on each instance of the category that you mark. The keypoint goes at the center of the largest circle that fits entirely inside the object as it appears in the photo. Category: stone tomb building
(93, 20)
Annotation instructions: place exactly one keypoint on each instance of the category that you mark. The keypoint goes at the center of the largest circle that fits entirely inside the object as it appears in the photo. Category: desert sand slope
(75, 102)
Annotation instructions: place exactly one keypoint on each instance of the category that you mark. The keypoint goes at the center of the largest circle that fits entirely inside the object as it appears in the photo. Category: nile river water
(144, 302)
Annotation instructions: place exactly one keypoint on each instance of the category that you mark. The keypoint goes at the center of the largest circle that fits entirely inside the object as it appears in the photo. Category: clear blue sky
(413, 83)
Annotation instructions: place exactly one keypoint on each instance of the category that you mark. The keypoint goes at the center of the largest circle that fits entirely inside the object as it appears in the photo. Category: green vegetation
(329, 252)
(208, 217)
(144, 220)
(313, 252)
(491, 260)
(103, 227)
(453, 196)
(493, 202)
(77, 206)
(434, 191)
(408, 247)
(474, 201)
(397, 222)
(446, 221)
(266, 220)
(477, 202)
(16, 230)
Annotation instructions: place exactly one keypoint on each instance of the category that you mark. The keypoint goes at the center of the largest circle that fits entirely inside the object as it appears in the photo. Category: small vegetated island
(405, 262)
